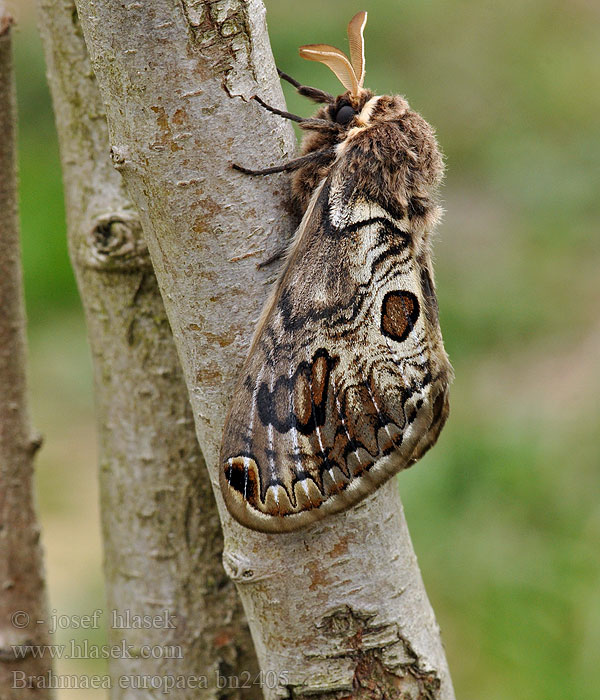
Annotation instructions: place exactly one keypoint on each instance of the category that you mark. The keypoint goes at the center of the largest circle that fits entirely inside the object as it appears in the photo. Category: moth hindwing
(346, 381)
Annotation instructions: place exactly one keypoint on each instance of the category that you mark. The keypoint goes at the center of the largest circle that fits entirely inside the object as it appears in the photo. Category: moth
(346, 381)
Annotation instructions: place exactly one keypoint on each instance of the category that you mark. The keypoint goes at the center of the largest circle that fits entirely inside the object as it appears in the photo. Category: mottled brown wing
(346, 380)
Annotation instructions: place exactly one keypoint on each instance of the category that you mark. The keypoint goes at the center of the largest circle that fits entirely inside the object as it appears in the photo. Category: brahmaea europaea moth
(346, 381)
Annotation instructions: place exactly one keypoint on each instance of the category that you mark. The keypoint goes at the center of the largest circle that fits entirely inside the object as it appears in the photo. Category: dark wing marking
(346, 380)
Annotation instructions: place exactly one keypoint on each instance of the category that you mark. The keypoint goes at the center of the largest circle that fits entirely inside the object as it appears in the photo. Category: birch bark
(22, 582)
(339, 609)
(162, 536)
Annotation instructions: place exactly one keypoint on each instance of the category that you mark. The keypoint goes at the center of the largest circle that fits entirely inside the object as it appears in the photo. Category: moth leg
(305, 123)
(312, 93)
(285, 167)
(274, 257)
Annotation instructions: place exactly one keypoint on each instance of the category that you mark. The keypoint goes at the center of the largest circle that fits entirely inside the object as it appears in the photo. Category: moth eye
(344, 114)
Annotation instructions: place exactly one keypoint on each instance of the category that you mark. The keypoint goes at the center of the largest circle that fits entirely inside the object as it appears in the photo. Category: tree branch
(162, 536)
(340, 606)
(22, 584)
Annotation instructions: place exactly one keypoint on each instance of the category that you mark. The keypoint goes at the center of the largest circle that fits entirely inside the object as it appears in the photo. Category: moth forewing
(346, 381)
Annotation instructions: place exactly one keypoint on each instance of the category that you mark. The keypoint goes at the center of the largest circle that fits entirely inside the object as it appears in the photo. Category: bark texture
(162, 536)
(337, 610)
(22, 583)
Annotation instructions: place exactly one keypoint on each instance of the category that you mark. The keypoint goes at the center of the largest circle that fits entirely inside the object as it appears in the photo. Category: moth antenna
(356, 40)
(334, 59)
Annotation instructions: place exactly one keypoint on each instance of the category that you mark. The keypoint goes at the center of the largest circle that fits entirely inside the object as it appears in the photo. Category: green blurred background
(505, 511)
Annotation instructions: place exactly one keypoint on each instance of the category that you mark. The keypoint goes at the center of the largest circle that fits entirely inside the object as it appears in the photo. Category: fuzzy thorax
(390, 150)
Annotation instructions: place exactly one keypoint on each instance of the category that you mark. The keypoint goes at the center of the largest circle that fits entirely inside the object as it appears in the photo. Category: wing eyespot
(399, 313)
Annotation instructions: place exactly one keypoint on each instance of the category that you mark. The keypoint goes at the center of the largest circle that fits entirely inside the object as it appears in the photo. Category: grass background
(505, 511)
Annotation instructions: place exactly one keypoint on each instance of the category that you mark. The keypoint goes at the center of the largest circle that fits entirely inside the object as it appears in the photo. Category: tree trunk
(22, 583)
(162, 536)
(338, 609)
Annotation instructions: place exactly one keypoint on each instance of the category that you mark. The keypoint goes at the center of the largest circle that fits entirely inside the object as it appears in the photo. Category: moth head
(357, 106)
(349, 71)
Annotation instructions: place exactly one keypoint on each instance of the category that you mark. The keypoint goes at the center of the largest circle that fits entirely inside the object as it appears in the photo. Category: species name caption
(347, 380)
(164, 684)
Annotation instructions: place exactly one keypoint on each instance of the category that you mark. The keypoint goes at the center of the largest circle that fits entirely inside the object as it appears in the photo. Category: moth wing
(341, 388)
